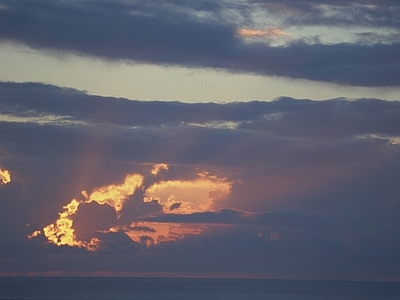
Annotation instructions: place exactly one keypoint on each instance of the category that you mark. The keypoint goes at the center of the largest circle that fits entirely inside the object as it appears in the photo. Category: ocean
(191, 289)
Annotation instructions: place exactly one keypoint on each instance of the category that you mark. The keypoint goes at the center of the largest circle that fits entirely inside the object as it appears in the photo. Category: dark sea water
(188, 289)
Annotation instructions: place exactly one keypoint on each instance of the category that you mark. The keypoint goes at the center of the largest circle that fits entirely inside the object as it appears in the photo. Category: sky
(182, 138)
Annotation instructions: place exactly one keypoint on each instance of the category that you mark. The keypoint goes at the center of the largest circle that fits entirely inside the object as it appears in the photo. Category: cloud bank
(280, 189)
(350, 42)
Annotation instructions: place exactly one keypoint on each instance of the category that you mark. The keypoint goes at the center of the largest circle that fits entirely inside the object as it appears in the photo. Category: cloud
(92, 218)
(77, 224)
(205, 35)
(271, 32)
(319, 117)
(103, 210)
(5, 176)
(158, 167)
(334, 13)
(339, 117)
(143, 228)
(294, 184)
(115, 195)
(292, 218)
(61, 231)
(189, 195)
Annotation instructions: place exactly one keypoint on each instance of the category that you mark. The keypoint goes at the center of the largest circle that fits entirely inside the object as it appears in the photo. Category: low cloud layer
(280, 189)
(350, 42)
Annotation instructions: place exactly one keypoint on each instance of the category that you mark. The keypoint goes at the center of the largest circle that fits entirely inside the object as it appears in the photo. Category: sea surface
(190, 289)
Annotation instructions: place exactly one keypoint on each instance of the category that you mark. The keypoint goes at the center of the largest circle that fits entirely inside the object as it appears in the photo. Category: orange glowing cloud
(176, 196)
(61, 231)
(180, 196)
(158, 167)
(34, 234)
(155, 233)
(5, 176)
(115, 195)
(271, 33)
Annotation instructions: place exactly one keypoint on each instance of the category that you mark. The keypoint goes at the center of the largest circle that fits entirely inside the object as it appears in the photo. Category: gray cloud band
(157, 34)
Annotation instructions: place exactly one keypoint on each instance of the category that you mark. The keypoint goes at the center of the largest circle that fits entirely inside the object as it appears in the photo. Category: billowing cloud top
(347, 42)
(282, 189)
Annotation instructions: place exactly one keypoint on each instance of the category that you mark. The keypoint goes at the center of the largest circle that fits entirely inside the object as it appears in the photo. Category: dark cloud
(329, 119)
(136, 208)
(335, 13)
(203, 34)
(67, 107)
(275, 218)
(174, 206)
(91, 218)
(116, 242)
(143, 229)
(314, 183)
(222, 242)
